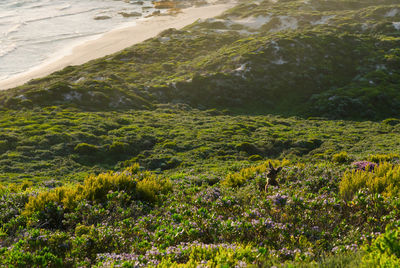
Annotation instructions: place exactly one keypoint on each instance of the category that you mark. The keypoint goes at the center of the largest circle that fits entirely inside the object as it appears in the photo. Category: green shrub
(341, 158)
(255, 157)
(4, 146)
(249, 148)
(169, 145)
(384, 180)
(384, 251)
(3, 189)
(85, 149)
(18, 257)
(391, 121)
(339, 259)
(118, 147)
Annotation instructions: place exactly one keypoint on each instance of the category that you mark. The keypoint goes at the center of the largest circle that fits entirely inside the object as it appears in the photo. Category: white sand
(396, 25)
(117, 40)
(392, 13)
(323, 20)
(254, 22)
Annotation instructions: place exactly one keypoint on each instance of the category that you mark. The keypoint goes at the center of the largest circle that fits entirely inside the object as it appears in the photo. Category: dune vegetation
(158, 155)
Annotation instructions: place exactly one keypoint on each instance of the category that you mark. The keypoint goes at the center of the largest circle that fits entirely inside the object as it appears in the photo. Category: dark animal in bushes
(271, 176)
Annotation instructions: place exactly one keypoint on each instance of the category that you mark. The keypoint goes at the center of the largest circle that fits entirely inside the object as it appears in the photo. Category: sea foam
(32, 31)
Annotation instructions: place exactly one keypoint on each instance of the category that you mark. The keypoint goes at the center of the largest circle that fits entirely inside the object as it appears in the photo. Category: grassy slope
(110, 113)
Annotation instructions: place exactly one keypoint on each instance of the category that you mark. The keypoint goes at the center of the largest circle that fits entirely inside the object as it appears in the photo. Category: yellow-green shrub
(3, 189)
(341, 158)
(234, 180)
(215, 257)
(384, 251)
(377, 158)
(95, 188)
(140, 185)
(149, 187)
(83, 229)
(56, 196)
(385, 179)
(239, 178)
(19, 187)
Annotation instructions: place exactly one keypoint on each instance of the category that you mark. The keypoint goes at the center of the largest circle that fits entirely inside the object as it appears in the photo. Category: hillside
(159, 155)
(338, 59)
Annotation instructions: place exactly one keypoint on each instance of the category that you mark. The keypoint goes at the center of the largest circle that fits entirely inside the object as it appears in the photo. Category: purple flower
(364, 165)
(279, 200)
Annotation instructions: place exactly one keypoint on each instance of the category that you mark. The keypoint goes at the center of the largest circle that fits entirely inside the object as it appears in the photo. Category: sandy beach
(117, 40)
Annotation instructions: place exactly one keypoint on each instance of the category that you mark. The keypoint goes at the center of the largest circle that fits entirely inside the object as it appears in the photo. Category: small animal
(271, 176)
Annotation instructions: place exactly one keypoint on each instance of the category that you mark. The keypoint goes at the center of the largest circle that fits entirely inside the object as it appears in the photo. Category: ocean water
(34, 31)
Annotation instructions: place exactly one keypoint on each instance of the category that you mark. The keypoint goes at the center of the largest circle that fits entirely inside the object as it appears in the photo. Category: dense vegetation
(69, 144)
(158, 155)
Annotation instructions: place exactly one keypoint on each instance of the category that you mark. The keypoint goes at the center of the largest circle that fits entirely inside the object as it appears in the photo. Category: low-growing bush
(385, 179)
(4, 146)
(377, 158)
(16, 257)
(391, 121)
(118, 148)
(95, 188)
(255, 157)
(384, 251)
(84, 148)
(341, 158)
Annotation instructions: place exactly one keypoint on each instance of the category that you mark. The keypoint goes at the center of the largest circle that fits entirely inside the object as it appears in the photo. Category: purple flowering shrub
(364, 165)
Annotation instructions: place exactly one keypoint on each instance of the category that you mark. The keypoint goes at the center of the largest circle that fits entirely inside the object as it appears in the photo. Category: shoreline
(116, 40)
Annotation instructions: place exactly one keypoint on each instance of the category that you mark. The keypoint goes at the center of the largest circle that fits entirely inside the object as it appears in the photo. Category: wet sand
(117, 40)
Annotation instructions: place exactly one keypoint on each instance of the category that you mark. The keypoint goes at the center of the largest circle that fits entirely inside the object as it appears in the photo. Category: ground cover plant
(159, 155)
